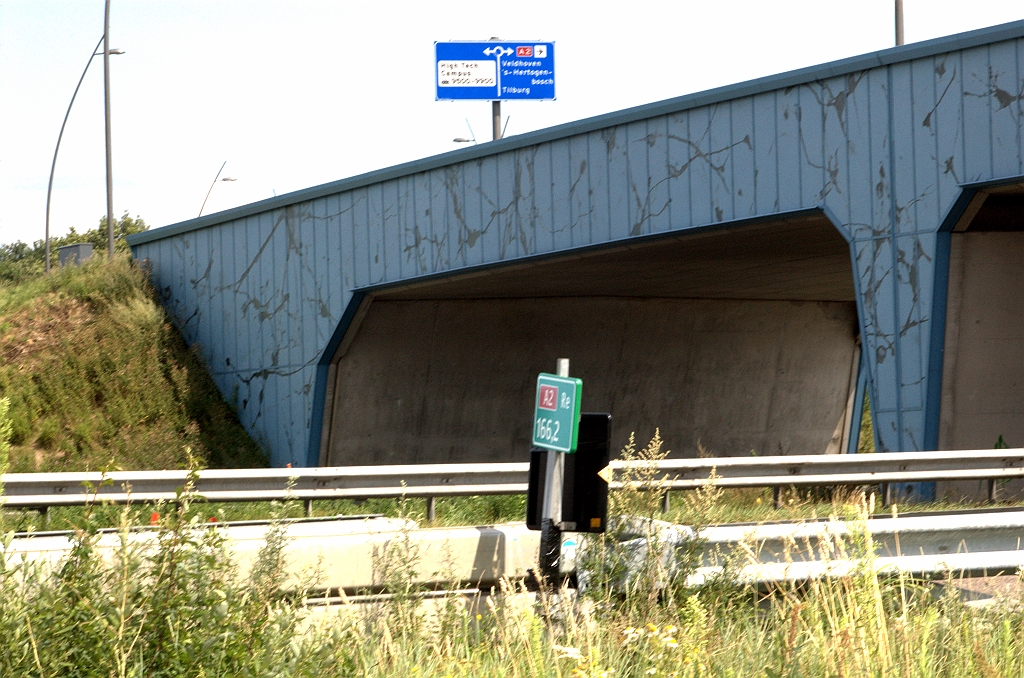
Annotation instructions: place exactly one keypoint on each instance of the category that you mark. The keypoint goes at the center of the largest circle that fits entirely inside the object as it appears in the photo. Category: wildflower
(629, 635)
(568, 652)
(670, 630)
(652, 630)
(651, 671)
(670, 642)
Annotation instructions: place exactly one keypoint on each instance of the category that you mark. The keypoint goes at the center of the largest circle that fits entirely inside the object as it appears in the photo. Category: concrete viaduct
(737, 267)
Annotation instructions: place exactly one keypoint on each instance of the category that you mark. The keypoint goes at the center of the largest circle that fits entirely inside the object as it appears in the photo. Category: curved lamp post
(53, 165)
(212, 184)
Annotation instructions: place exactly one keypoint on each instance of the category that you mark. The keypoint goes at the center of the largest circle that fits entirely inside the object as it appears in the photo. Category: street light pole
(106, 111)
(212, 184)
(53, 165)
(899, 22)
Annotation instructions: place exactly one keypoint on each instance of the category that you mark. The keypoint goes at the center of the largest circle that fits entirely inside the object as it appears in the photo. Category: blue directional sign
(495, 71)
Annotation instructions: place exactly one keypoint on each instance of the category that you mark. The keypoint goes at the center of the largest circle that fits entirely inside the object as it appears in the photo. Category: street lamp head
(461, 140)
(115, 51)
(229, 179)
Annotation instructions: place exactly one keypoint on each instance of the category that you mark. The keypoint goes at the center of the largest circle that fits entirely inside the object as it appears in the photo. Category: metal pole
(106, 115)
(212, 184)
(551, 513)
(53, 165)
(496, 119)
(899, 22)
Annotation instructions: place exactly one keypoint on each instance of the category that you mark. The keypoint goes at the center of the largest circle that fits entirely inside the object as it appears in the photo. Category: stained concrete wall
(454, 379)
(983, 366)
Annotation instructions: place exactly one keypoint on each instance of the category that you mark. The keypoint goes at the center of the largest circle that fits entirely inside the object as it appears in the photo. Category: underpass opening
(732, 341)
(983, 361)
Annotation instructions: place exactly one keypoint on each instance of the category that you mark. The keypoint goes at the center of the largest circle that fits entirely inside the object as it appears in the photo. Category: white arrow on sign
(498, 51)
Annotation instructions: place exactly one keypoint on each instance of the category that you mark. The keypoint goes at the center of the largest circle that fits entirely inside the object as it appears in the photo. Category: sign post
(556, 422)
(494, 71)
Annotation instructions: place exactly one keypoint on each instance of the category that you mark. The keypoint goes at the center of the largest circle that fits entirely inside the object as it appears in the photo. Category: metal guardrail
(32, 490)
(41, 490)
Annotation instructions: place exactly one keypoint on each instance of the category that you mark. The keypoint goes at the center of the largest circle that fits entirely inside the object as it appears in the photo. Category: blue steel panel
(315, 296)
(360, 238)
(455, 215)
(288, 315)
(638, 178)
(393, 240)
(1004, 106)
(375, 228)
(579, 191)
(441, 241)
(543, 205)
(473, 192)
(926, 204)
(790, 153)
(490, 238)
(414, 245)
(511, 239)
(337, 266)
(742, 133)
(1020, 106)
(881, 168)
(699, 166)
(977, 118)
(905, 193)
(678, 168)
(835, 96)
(945, 123)
(721, 144)
(304, 308)
(261, 285)
(181, 291)
(884, 146)
(218, 318)
(811, 116)
(524, 162)
(239, 353)
(860, 170)
(658, 175)
(912, 268)
(561, 185)
(597, 175)
(617, 162)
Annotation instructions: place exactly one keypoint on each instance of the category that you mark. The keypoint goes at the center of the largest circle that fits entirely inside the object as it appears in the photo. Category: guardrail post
(431, 509)
(992, 490)
(665, 505)
(309, 508)
(777, 496)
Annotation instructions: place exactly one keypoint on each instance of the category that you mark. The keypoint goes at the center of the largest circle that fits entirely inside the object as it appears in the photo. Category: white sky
(293, 94)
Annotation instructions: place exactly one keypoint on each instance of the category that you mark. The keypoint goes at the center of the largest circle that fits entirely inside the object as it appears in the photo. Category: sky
(296, 93)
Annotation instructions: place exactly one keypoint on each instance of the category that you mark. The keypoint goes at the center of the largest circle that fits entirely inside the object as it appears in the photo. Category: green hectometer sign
(556, 416)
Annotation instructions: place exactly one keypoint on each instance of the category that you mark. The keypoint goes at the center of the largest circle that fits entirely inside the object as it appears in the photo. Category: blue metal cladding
(888, 145)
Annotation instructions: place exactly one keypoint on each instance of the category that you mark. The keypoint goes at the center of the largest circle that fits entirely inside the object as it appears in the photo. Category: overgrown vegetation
(174, 604)
(98, 378)
(20, 261)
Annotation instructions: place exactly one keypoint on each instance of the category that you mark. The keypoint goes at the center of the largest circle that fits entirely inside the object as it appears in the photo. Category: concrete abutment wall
(763, 364)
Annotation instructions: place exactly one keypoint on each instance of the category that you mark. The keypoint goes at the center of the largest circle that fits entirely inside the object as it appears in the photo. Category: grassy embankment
(97, 378)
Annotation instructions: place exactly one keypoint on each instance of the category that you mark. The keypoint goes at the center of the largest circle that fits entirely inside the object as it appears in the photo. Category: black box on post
(584, 493)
